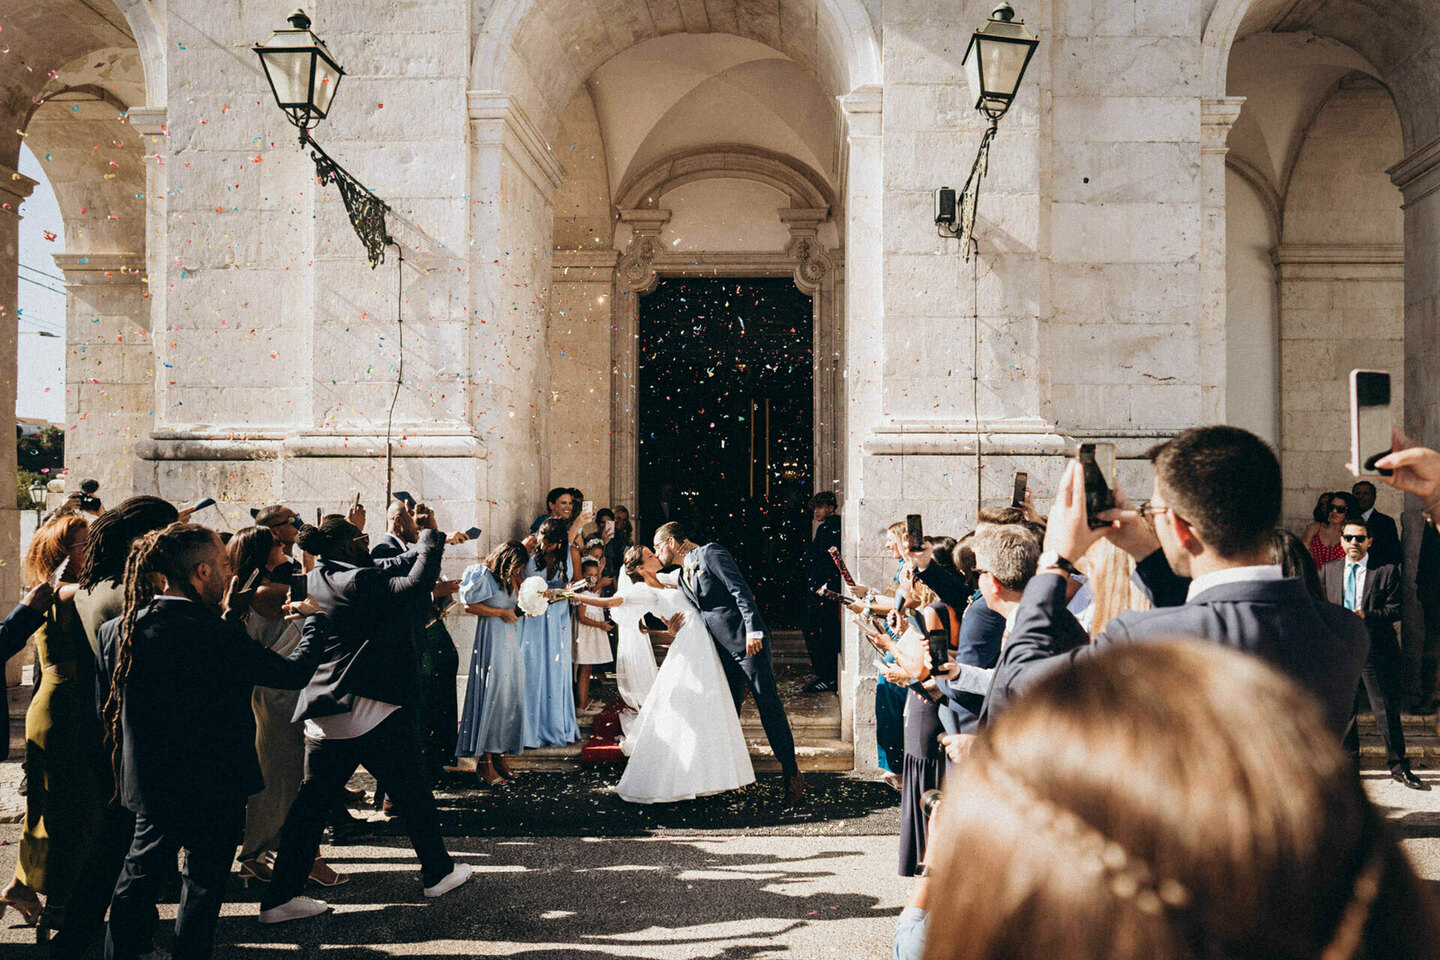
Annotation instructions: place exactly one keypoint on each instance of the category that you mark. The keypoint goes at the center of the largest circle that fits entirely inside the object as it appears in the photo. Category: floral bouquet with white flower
(532, 601)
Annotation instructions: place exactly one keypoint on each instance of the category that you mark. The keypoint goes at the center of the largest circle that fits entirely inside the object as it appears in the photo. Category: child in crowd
(592, 638)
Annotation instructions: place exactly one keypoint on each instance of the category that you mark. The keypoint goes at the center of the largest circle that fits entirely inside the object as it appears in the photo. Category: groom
(712, 582)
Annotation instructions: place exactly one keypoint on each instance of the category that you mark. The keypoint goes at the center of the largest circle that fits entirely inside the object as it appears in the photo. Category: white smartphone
(588, 508)
(1371, 421)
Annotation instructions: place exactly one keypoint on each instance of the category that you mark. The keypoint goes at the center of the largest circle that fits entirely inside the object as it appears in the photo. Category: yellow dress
(64, 762)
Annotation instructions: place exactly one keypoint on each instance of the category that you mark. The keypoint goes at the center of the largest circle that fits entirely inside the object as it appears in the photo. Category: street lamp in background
(994, 64)
(303, 77)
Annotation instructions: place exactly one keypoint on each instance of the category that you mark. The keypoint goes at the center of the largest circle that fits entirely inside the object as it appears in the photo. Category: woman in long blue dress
(493, 722)
(545, 641)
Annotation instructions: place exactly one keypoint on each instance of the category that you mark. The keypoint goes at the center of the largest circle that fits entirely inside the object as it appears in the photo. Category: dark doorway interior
(726, 425)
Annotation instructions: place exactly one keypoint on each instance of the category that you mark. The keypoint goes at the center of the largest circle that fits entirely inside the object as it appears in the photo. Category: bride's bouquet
(531, 600)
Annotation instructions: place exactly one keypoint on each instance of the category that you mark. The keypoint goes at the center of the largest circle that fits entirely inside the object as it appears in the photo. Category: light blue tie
(1352, 600)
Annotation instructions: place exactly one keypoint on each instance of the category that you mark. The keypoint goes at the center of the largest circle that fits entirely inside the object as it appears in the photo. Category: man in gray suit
(711, 581)
(1359, 582)
(1206, 567)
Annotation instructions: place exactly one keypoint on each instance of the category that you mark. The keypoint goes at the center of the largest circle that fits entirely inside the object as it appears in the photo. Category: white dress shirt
(1256, 574)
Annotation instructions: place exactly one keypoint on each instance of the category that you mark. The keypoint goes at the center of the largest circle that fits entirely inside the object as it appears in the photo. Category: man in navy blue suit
(1206, 566)
(711, 581)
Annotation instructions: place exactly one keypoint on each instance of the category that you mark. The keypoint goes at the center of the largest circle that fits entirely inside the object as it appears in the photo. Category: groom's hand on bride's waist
(675, 623)
(753, 643)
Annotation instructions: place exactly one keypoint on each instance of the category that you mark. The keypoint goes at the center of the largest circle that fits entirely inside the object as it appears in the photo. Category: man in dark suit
(184, 677)
(1356, 582)
(358, 708)
(1206, 566)
(712, 582)
(1386, 551)
(822, 618)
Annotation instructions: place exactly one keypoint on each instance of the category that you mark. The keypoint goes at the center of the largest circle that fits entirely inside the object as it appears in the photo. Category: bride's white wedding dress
(686, 741)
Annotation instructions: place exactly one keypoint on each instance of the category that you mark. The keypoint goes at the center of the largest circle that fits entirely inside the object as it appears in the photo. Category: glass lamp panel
(289, 73)
(327, 79)
(972, 74)
(1002, 63)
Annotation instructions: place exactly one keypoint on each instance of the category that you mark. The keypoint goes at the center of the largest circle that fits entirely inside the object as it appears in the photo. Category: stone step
(811, 754)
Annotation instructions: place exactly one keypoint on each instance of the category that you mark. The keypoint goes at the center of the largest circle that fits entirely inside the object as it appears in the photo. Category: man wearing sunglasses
(284, 523)
(1356, 582)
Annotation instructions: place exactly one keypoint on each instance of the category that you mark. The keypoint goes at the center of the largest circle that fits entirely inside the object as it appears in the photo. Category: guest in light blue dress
(546, 640)
(493, 721)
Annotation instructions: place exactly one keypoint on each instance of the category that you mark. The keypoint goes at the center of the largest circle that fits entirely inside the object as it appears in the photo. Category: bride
(686, 741)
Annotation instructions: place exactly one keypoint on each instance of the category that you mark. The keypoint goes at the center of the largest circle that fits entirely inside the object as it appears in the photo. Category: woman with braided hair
(1166, 799)
(182, 731)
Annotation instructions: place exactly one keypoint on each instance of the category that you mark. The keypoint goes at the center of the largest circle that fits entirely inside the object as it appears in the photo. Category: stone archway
(816, 271)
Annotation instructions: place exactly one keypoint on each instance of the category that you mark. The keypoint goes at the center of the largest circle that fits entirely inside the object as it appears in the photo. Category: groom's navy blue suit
(713, 583)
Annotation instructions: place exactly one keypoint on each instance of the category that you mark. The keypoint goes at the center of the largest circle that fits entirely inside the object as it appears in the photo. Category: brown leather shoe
(795, 790)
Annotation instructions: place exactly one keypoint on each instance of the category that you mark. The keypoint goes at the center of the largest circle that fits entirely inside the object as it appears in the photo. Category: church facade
(1196, 211)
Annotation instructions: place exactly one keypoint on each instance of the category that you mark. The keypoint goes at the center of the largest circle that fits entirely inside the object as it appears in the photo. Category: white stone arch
(146, 24)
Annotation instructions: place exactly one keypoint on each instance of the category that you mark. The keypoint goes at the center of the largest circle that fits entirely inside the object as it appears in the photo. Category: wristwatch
(1051, 558)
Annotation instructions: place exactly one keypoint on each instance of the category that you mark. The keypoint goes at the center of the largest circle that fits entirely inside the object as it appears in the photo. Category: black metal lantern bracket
(955, 216)
(366, 210)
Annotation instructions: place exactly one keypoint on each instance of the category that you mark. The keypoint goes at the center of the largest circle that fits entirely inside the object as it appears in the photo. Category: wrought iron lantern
(302, 73)
(996, 59)
(994, 64)
(304, 76)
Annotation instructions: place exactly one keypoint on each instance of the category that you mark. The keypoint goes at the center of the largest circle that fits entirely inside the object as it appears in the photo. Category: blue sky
(41, 382)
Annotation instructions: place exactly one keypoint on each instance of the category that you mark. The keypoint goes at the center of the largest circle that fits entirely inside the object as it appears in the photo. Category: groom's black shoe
(794, 789)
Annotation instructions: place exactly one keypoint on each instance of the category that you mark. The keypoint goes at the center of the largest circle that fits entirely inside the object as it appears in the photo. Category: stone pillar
(109, 367)
(1216, 118)
(513, 176)
(579, 442)
(863, 384)
(1418, 178)
(14, 188)
(634, 275)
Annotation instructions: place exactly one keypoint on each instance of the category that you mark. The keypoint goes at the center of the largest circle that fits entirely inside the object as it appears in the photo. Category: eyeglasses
(1150, 509)
(1354, 538)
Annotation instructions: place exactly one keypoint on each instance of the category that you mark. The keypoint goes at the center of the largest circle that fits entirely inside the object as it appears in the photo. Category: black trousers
(758, 674)
(1381, 676)
(391, 752)
(209, 843)
(83, 921)
(822, 639)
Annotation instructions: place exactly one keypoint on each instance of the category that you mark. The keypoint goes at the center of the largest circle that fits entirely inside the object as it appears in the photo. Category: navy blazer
(1319, 645)
(823, 571)
(1379, 596)
(186, 725)
(711, 581)
(982, 631)
(1042, 613)
(1385, 551)
(369, 649)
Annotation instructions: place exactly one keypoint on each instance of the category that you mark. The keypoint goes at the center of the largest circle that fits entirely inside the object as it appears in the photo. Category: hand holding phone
(201, 504)
(404, 497)
(1097, 462)
(1017, 493)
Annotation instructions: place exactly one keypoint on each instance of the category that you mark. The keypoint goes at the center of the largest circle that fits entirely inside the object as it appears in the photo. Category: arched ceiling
(540, 51)
(1399, 38)
(682, 92)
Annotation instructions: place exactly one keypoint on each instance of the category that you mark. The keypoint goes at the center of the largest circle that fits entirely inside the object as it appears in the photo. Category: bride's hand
(675, 623)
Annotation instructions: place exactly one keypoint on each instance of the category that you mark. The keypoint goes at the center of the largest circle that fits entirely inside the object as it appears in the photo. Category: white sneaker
(297, 908)
(453, 879)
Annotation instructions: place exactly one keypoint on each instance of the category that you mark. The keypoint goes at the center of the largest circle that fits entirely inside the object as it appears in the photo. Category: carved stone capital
(1217, 116)
(1418, 175)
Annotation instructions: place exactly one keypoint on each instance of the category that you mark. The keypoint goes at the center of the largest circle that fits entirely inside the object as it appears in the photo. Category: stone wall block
(1125, 172)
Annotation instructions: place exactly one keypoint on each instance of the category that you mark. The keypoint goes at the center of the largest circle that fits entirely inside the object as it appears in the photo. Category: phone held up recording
(1097, 462)
(1017, 495)
(1371, 422)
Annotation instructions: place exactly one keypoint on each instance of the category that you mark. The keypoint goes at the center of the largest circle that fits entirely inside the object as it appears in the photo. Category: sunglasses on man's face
(1354, 538)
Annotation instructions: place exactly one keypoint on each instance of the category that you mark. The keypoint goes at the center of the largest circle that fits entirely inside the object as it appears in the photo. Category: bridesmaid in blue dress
(493, 722)
(546, 640)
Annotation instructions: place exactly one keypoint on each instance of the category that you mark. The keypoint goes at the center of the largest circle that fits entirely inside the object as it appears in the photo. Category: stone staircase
(814, 718)
(1422, 740)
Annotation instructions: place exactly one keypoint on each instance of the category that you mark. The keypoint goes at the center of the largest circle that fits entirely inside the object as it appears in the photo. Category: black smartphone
(298, 590)
(1097, 460)
(1017, 495)
(914, 533)
(404, 497)
(473, 533)
(1371, 422)
(319, 516)
(202, 504)
(357, 500)
(939, 649)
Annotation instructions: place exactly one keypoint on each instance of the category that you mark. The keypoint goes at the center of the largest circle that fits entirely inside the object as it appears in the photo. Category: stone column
(1217, 116)
(1418, 178)
(14, 188)
(634, 275)
(581, 320)
(864, 382)
(109, 367)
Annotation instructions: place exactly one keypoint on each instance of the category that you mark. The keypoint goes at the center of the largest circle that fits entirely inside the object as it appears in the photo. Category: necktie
(1352, 598)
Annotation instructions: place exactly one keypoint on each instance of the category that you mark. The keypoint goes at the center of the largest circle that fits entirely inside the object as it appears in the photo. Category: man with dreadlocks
(183, 731)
